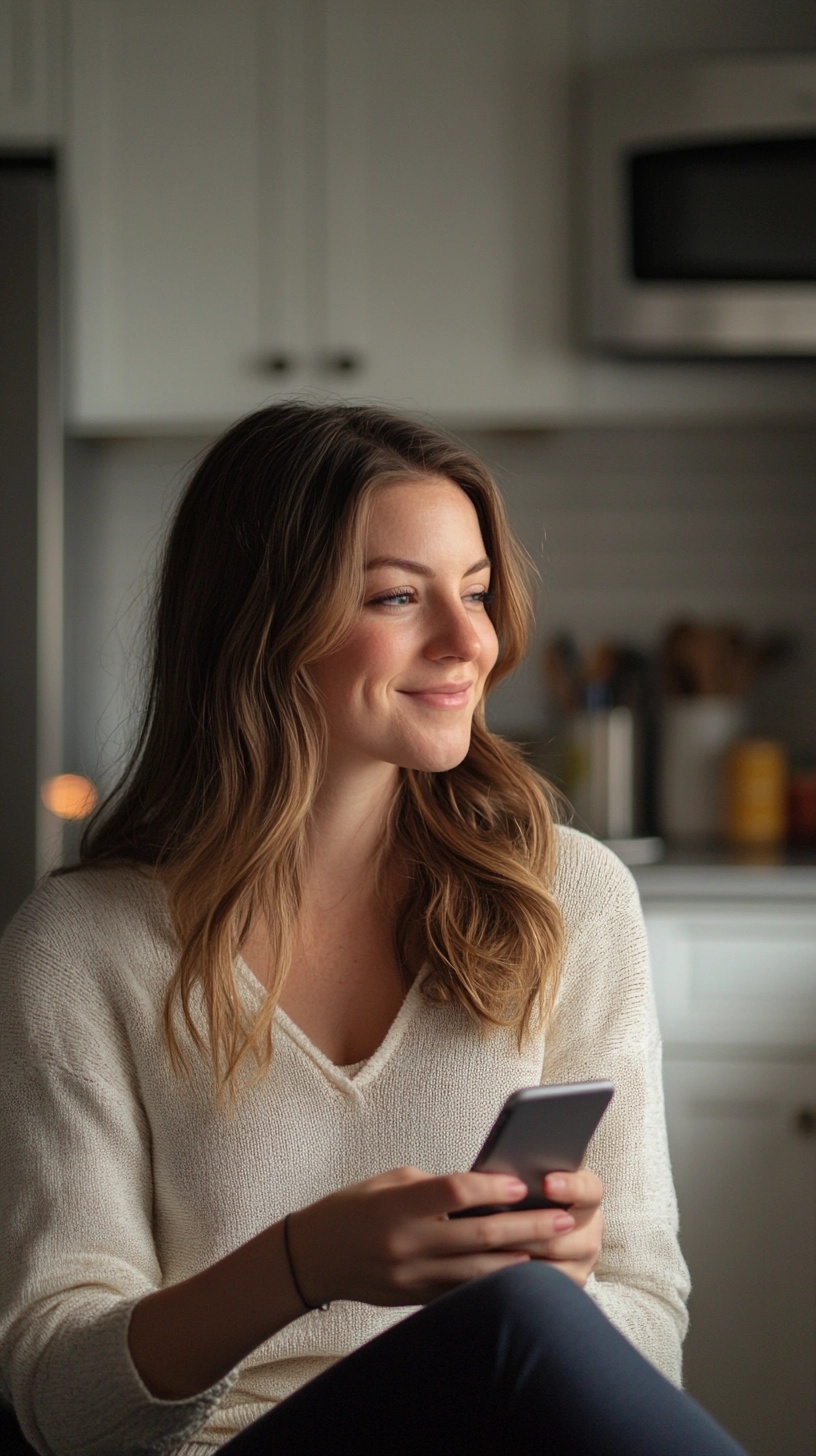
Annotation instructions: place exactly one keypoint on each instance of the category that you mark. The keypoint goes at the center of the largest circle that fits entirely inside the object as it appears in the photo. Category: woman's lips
(447, 695)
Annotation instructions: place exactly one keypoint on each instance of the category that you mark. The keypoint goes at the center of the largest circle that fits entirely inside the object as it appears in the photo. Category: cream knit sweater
(117, 1178)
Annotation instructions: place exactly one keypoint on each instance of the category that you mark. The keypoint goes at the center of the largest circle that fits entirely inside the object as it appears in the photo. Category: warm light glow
(69, 796)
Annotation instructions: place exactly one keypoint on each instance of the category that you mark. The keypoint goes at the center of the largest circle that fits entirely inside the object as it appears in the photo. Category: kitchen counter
(720, 872)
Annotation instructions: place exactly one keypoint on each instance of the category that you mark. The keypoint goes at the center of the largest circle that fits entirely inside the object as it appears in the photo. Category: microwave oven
(701, 215)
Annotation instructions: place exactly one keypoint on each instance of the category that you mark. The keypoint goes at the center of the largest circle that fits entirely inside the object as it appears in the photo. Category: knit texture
(118, 1178)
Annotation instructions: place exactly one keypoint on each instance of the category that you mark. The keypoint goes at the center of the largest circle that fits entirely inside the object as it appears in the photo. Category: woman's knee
(533, 1284)
(519, 1296)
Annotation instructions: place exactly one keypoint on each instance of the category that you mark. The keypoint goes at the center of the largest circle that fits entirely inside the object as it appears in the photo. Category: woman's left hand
(576, 1250)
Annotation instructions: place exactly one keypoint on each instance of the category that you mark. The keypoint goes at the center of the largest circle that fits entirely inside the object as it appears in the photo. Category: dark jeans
(519, 1362)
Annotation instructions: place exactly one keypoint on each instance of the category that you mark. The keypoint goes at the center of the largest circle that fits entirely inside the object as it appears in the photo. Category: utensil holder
(696, 735)
(601, 772)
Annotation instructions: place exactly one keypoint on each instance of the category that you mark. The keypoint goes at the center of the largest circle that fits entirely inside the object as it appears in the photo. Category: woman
(321, 931)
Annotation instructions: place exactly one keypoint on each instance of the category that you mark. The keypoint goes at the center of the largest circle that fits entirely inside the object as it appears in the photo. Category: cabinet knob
(805, 1122)
(344, 361)
(277, 363)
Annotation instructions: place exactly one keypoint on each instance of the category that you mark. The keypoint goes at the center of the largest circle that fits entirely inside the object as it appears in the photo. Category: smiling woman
(322, 929)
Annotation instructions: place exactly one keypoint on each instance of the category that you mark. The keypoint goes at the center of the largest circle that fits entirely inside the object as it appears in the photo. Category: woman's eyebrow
(416, 566)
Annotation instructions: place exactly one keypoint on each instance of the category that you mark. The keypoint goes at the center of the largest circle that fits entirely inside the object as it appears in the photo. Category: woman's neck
(347, 829)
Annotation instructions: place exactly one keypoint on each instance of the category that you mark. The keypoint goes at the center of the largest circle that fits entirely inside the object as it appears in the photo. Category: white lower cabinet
(736, 993)
(743, 1144)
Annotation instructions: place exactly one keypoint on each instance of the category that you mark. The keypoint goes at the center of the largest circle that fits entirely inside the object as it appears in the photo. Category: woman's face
(402, 688)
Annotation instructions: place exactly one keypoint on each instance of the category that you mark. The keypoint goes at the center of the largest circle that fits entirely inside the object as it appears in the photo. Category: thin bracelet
(301, 1296)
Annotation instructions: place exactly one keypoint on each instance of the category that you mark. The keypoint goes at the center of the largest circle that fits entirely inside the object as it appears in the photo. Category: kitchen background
(384, 198)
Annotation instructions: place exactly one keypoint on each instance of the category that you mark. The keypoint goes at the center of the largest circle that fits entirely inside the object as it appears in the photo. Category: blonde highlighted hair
(262, 576)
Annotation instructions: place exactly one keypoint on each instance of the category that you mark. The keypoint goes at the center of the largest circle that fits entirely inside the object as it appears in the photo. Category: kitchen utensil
(601, 772)
(696, 734)
(563, 673)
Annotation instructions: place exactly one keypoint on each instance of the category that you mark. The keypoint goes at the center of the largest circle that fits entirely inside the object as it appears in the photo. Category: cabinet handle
(277, 363)
(343, 362)
(805, 1122)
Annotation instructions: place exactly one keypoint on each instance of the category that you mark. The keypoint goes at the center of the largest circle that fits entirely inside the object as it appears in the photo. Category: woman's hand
(389, 1240)
(575, 1249)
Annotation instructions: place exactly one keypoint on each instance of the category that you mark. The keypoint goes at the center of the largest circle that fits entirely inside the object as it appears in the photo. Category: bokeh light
(69, 796)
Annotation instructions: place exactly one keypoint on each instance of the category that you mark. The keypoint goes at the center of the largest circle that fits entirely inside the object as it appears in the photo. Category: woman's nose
(454, 636)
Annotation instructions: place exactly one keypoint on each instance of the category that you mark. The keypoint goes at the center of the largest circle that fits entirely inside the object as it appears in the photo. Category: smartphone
(540, 1130)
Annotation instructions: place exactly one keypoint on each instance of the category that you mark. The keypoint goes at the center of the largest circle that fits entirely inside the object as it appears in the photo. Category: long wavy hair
(263, 574)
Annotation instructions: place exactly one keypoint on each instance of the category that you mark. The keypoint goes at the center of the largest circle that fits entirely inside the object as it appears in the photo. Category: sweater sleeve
(605, 1026)
(76, 1209)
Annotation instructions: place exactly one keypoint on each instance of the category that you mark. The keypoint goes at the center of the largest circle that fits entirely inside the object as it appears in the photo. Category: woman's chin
(441, 757)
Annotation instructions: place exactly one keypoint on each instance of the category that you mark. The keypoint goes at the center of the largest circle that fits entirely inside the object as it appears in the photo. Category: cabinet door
(446, 233)
(184, 129)
(743, 1144)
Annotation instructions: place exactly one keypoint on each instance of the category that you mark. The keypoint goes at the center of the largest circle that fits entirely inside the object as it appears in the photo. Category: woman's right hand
(389, 1240)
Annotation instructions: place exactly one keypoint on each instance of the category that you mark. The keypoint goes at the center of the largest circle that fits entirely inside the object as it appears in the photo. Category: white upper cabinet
(341, 195)
(373, 198)
(30, 73)
(447, 240)
(165, 298)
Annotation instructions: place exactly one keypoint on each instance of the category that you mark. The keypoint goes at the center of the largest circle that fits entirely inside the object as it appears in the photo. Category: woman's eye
(393, 599)
(406, 596)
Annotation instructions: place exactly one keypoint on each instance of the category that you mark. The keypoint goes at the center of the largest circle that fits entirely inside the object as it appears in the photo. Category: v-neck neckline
(334, 1073)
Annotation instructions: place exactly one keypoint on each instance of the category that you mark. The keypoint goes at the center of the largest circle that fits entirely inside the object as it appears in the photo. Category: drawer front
(742, 975)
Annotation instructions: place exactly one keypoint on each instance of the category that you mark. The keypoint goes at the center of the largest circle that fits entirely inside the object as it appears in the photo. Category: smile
(447, 695)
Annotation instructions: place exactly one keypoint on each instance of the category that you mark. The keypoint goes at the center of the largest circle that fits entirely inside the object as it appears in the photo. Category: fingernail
(515, 1185)
(562, 1222)
(555, 1184)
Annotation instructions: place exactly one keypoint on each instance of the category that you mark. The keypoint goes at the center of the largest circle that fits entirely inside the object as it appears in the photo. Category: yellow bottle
(756, 777)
